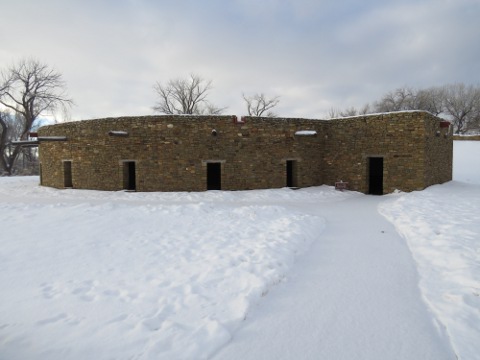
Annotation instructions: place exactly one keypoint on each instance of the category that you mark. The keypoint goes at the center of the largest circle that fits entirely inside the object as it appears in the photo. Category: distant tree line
(458, 103)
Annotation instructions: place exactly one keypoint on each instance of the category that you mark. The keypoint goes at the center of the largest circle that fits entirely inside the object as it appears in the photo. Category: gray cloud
(315, 55)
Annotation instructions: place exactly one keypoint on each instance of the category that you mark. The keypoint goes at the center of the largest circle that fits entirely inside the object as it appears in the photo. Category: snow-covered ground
(270, 274)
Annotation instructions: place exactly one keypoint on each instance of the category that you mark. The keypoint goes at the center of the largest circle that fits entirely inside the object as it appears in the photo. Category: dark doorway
(375, 176)
(292, 173)
(129, 179)
(67, 174)
(214, 176)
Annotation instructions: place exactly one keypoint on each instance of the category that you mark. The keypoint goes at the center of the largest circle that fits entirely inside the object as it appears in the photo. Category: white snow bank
(139, 280)
(27, 189)
(466, 161)
(442, 227)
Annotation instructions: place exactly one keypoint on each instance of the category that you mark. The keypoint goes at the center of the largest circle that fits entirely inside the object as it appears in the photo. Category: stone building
(374, 154)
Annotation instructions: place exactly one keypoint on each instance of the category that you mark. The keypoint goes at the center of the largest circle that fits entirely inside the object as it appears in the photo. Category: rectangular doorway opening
(292, 173)
(214, 176)
(129, 176)
(375, 176)
(67, 174)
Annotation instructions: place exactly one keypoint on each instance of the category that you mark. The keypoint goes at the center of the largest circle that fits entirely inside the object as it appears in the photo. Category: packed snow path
(353, 296)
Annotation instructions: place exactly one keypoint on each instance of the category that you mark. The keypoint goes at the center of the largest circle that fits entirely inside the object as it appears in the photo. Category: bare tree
(333, 113)
(457, 102)
(10, 129)
(365, 110)
(28, 89)
(258, 104)
(348, 112)
(431, 99)
(351, 111)
(4, 139)
(397, 100)
(185, 96)
(462, 104)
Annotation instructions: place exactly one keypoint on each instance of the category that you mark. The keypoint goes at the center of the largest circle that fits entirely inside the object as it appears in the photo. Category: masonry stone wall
(438, 151)
(413, 156)
(172, 153)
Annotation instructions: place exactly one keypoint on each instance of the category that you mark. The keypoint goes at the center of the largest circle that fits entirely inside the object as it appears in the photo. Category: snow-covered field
(271, 274)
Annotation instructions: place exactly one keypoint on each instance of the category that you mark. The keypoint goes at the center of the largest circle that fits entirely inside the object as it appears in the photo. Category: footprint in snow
(52, 320)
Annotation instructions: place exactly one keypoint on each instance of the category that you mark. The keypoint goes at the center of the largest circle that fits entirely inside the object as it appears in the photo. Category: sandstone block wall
(172, 153)
(413, 156)
(438, 151)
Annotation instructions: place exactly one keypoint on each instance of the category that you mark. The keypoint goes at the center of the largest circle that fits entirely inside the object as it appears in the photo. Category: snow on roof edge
(383, 113)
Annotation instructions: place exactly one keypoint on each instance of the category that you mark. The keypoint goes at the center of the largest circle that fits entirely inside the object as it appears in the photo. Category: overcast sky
(314, 54)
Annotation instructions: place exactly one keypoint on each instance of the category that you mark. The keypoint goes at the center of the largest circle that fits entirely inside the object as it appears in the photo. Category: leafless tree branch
(185, 96)
(259, 104)
(28, 89)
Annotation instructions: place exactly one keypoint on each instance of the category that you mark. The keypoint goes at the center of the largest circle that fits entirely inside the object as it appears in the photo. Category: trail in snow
(353, 296)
